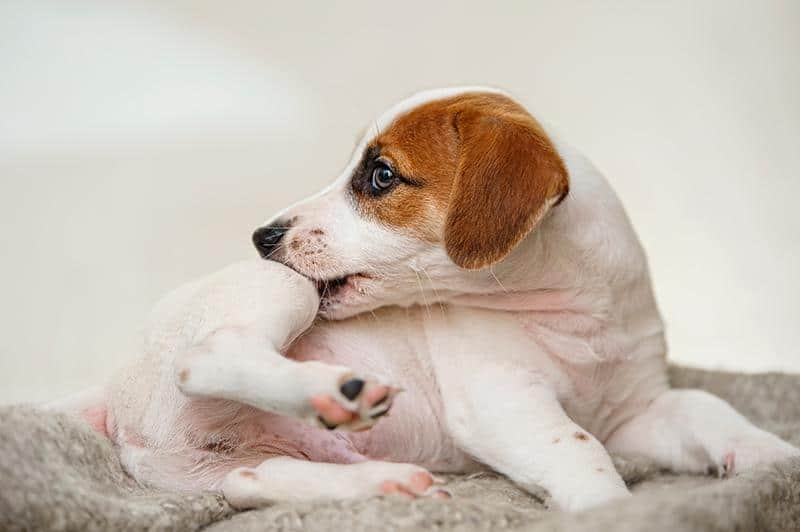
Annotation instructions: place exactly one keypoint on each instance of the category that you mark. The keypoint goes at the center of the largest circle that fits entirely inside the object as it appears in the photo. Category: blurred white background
(142, 142)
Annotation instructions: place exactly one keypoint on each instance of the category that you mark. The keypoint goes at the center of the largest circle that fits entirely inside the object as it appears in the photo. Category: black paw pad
(352, 388)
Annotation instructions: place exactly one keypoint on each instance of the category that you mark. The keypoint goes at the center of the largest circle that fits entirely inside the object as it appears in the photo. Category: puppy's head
(444, 186)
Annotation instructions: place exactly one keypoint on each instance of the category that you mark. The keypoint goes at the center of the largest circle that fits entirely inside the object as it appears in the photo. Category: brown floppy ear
(508, 176)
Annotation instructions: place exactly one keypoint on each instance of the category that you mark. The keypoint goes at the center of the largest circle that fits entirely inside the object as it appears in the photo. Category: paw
(420, 484)
(357, 405)
(404, 480)
(747, 454)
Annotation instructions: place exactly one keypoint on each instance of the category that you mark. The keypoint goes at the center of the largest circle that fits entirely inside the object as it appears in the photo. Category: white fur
(529, 367)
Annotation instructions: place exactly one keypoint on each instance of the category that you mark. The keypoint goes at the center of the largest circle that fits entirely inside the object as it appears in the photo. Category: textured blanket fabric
(56, 474)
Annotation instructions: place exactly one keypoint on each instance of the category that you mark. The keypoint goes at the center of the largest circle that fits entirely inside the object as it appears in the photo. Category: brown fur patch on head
(422, 146)
(482, 174)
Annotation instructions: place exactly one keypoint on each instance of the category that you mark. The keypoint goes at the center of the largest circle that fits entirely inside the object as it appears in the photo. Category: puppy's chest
(606, 368)
(593, 364)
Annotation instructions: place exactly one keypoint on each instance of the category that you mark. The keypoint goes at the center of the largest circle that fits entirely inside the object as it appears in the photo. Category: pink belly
(407, 434)
(413, 431)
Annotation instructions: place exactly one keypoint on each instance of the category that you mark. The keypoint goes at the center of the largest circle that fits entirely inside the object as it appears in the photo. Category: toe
(330, 410)
(390, 486)
(406, 492)
(421, 481)
(376, 395)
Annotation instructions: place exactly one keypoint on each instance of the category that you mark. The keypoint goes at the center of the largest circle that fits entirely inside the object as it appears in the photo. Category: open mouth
(327, 288)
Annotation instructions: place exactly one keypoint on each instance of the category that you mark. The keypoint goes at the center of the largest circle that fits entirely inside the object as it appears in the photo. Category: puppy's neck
(527, 301)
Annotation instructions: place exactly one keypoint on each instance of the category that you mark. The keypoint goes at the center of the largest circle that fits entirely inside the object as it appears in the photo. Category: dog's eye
(382, 178)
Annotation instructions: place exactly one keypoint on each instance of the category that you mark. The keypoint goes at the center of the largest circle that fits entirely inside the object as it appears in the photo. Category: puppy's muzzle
(267, 239)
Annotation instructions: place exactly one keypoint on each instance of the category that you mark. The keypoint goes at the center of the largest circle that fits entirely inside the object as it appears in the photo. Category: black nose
(266, 239)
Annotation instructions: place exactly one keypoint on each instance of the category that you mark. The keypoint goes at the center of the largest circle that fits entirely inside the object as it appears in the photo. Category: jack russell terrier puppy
(466, 257)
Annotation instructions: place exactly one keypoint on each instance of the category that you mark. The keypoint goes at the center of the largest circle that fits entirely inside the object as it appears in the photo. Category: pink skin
(335, 414)
(418, 485)
(96, 417)
(729, 463)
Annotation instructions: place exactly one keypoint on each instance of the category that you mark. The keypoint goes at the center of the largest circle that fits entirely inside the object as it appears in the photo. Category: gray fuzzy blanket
(56, 474)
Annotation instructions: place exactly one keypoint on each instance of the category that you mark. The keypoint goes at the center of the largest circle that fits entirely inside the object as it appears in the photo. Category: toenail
(383, 412)
(381, 400)
(352, 388)
(325, 423)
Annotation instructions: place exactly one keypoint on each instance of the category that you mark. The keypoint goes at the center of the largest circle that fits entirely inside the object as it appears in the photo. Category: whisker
(435, 292)
(422, 292)
(491, 270)
(274, 248)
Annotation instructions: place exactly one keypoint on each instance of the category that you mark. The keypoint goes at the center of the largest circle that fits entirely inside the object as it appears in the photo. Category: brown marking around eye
(580, 436)
(485, 169)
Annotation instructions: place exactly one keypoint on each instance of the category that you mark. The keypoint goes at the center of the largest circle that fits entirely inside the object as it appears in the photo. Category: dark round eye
(382, 177)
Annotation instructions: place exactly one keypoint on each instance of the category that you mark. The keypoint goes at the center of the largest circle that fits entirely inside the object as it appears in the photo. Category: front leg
(516, 425)
(238, 365)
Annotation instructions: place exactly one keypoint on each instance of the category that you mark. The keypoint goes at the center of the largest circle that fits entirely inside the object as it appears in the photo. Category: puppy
(465, 256)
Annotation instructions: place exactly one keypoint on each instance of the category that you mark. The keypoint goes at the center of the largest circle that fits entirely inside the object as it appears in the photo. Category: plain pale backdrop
(142, 142)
